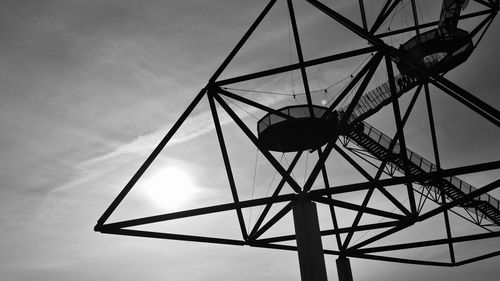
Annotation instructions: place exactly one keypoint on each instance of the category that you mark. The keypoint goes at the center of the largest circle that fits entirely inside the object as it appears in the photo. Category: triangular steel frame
(216, 94)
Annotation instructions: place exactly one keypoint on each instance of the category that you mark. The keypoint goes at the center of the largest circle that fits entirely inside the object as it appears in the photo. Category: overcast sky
(87, 89)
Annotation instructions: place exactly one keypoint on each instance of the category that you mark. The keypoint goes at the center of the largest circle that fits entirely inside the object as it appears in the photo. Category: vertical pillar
(344, 269)
(310, 247)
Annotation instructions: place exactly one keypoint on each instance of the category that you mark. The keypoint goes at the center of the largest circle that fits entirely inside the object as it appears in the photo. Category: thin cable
(484, 32)
(425, 10)
(256, 91)
(286, 160)
(338, 82)
(394, 14)
(420, 13)
(275, 172)
(336, 95)
(230, 101)
(270, 184)
(408, 20)
(343, 79)
(350, 95)
(303, 93)
(362, 63)
(381, 220)
(253, 184)
(351, 76)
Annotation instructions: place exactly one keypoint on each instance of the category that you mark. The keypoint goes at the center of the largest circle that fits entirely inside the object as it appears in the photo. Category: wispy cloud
(193, 127)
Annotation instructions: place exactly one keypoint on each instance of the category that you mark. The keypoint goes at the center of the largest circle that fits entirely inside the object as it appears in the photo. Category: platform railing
(423, 164)
(295, 111)
(373, 100)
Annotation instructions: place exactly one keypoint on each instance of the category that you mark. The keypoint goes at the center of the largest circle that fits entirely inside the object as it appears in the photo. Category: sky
(88, 88)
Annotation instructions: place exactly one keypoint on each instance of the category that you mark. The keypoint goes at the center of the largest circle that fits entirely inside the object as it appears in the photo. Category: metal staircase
(374, 100)
(377, 98)
(378, 144)
(448, 20)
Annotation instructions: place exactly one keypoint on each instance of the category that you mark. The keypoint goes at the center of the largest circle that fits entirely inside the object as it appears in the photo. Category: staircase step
(451, 191)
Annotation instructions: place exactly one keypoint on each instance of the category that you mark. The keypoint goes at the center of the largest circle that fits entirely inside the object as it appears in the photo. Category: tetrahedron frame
(215, 92)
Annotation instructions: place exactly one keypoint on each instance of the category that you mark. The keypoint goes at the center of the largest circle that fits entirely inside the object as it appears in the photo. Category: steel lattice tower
(434, 49)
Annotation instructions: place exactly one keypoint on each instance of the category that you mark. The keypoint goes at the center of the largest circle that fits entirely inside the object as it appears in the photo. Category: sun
(169, 188)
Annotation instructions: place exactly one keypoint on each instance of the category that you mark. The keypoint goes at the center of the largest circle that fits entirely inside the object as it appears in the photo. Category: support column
(310, 247)
(344, 269)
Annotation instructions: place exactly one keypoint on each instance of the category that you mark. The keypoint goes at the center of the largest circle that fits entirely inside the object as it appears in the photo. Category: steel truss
(417, 192)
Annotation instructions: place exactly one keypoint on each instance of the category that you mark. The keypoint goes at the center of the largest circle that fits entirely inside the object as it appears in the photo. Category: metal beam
(479, 258)
(172, 236)
(138, 174)
(374, 181)
(447, 86)
(430, 243)
(287, 197)
(438, 166)
(384, 162)
(486, 22)
(227, 164)
(415, 17)
(367, 197)
(253, 103)
(372, 65)
(469, 169)
(430, 214)
(380, 170)
(286, 247)
(466, 98)
(384, 14)
(194, 212)
(351, 85)
(400, 260)
(352, 26)
(382, 235)
(282, 69)
(363, 14)
(411, 105)
(242, 41)
(272, 246)
(363, 208)
(293, 184)
(298, 47)
(273, 220)
(430, 24)
(464, 199)
(490, 3)
(331, 207)
(400, 132)
(267, 208)
(335, 231)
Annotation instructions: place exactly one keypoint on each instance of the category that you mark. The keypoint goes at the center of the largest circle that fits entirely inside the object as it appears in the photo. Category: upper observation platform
(300, 131)
(450, 13)
(436, 54)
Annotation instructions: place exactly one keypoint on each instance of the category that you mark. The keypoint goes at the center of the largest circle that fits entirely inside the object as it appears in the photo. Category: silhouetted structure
(422, 61)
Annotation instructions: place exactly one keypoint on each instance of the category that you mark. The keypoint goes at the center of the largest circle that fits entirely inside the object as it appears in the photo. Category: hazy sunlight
(169, 188)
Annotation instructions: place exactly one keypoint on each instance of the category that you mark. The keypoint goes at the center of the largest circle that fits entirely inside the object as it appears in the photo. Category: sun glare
(169, 188)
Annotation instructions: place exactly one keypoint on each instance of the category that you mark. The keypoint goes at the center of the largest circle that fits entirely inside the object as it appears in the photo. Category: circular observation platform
(429, 51)
(300, 131)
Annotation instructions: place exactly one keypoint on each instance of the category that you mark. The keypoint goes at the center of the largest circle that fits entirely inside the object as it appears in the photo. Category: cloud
(194, 127)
